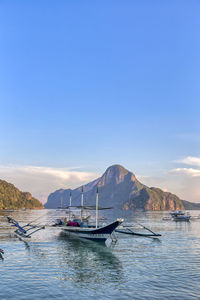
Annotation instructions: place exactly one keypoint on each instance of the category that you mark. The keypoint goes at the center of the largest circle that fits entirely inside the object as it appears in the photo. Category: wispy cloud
(191, 161)
(187, 171)
(41, 180)
(187, 180)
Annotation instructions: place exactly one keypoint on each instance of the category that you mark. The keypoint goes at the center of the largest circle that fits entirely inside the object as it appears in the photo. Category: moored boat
(100, 234)
(81, 228)
(180, 215)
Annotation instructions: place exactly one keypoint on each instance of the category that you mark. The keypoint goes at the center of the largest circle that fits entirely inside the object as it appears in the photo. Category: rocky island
(120, 188)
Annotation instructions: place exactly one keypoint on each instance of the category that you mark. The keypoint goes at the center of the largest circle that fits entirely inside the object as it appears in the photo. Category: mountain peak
(114, 173)
(116, 168)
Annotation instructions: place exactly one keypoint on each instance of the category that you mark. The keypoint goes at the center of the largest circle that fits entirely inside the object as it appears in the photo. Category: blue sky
(87, 84)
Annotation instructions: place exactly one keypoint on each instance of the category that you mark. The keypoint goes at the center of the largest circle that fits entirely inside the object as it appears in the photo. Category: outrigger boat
(100, 234)
(25, 231)
(81, 228)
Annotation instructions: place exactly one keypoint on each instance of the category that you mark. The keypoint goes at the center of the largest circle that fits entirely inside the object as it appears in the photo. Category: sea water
(51, 265)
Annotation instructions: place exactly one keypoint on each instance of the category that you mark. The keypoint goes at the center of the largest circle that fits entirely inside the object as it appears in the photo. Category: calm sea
(52, 266)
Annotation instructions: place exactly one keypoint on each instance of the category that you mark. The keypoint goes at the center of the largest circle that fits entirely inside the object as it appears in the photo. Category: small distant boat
(177, 212)
(180, 215)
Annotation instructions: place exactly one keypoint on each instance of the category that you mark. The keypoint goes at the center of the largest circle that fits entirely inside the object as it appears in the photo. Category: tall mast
(82, 205)
(97, 202)
(70, 199)
(70, 203)
(82, 197)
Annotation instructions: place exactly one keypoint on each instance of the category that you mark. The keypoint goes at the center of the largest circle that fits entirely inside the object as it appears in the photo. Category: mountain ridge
(118, 187)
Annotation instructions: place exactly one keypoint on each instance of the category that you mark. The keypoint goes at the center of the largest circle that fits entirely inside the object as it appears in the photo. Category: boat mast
(70, 203)
(82, 205)
(97, 200)
(70, 199)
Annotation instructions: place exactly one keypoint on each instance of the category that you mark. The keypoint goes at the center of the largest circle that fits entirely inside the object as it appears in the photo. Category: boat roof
(88, 207)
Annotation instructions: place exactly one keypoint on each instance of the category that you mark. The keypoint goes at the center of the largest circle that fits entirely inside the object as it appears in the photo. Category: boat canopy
(90, 207)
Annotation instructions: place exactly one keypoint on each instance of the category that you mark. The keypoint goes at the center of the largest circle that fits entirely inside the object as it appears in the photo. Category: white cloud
(191, 161)
(187, 171)
(187, 183)
(41, 181)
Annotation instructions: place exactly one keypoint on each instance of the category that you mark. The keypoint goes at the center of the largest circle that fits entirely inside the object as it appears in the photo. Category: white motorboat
(180, 215)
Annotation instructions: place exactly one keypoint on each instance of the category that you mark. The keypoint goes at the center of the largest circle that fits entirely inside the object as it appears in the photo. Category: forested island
(12, 198)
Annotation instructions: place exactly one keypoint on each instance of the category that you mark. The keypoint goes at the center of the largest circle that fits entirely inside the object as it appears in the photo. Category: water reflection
(77, 261)
(87, 261)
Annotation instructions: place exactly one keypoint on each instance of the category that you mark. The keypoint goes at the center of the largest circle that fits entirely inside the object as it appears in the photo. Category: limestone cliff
(119, 188)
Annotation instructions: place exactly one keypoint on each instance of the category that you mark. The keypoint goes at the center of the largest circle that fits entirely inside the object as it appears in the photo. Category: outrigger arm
(20, 229)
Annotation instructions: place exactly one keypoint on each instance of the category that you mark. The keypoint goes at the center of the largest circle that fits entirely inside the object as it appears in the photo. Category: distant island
(13, 198)
(120, 189)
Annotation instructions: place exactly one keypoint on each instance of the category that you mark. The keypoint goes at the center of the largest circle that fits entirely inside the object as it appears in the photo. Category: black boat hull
(95, 234)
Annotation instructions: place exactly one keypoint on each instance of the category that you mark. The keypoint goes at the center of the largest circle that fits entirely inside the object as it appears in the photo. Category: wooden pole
(70, 199)
(82, 205)
(97, 203)
(70, 204)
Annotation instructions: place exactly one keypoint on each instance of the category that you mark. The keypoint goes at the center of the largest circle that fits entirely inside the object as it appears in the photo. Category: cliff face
(190, 205)
(119, 188)
(12, 198)
(154, 199)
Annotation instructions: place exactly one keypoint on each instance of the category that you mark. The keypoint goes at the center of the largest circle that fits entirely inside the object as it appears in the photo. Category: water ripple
(51, 266)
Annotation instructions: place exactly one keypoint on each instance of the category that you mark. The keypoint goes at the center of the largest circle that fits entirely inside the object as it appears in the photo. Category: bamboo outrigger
(126, 230)
(25, 231)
